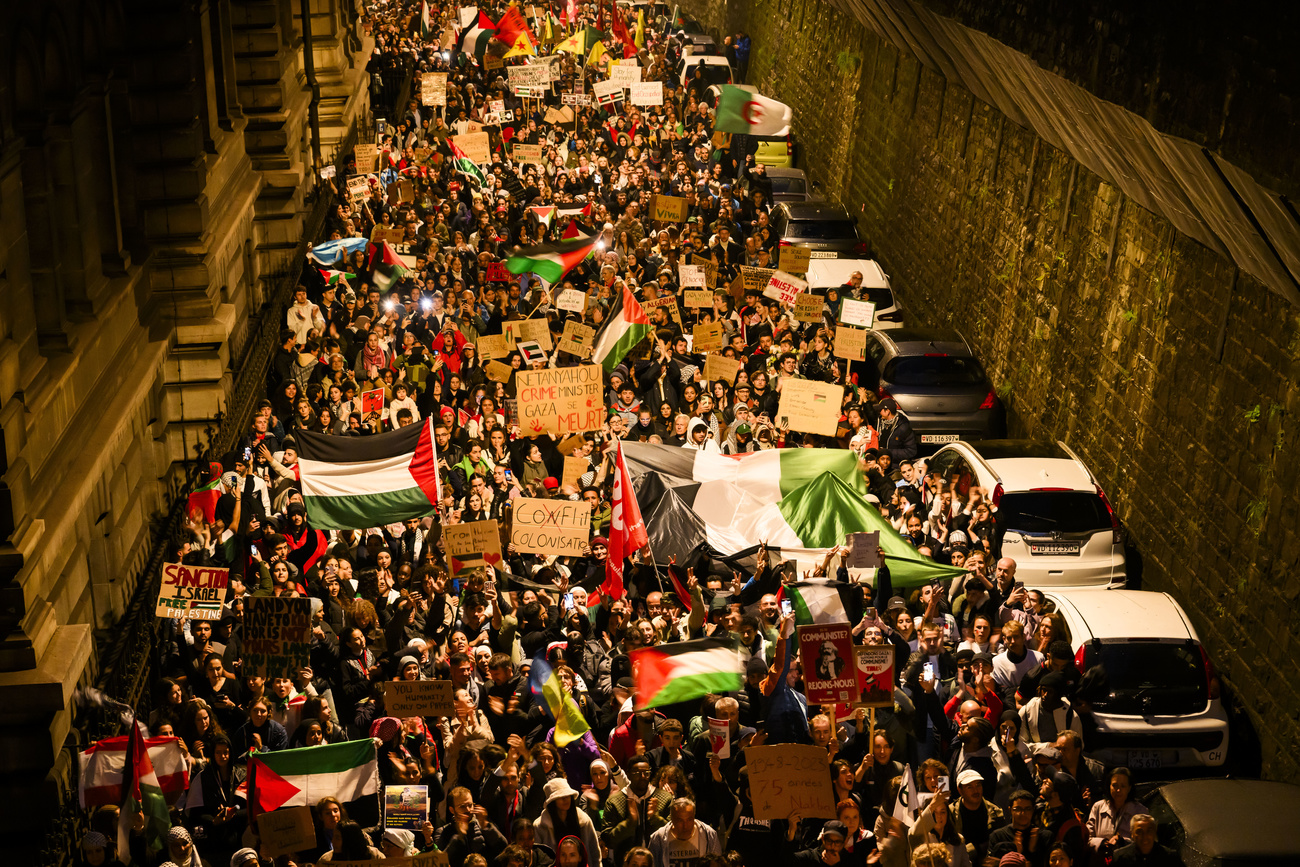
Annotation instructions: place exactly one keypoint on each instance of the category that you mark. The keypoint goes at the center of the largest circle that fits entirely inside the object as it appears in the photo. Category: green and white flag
(816, 603)
(743, 110)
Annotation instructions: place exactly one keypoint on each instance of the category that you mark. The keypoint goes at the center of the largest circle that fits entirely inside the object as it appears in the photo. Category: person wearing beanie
(1059, 820)
(895, 432)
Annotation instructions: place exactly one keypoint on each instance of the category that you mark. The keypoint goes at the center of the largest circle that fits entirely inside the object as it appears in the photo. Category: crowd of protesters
(988, 707)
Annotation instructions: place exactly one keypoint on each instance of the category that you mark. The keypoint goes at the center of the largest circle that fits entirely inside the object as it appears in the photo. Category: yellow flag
(573, 45)
(639, 39)
(597, 52)
(523, 47)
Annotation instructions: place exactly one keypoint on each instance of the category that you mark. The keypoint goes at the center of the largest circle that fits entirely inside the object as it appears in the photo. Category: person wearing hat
(740, 440)
(245, 858)
(895, 431)
(1049, 713)
(561, 818)
(1058, 816)
(974, 817)
(830, 842)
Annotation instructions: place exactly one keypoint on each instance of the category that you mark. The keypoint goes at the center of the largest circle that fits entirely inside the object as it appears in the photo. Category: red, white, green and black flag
(626, 533)
(351, 483)
(683, 670)
(301, 777)
(478, 35)
(334, 277)
(464, 164)
(387, 266)
(626, 326)
(141, 793)
(426, 21)
(551, 261)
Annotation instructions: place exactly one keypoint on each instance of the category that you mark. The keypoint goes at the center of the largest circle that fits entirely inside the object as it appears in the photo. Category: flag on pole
(551, 261)
(465, 164)
(426, 21)
(626, 528)
(556, 702)
(141, 794)
(387, 266)
(522, 47)
(683, 670)
(476, 38)
(748, 112)
(102, 764)
(640, 29)
(334, 277)
(626, 326)
(908, 802)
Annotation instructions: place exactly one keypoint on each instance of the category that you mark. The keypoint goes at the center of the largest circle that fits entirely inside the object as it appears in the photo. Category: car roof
(914, 341)
(1237, 818)
(1025, 474)
(835, 272)
(1126, 614)
(815, 211)
(774, 172)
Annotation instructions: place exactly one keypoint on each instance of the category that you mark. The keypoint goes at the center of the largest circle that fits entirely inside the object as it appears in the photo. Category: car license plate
(1055, 547)
(940, 438)
(823, 254)
(1147, 760)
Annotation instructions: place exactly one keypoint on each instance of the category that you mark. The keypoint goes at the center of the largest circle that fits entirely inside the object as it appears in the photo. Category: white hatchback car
(826, 273)
(1158, 706)
(1052, 516)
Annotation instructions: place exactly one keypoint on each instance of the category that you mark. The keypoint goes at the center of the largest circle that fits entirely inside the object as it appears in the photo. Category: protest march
(572, 529)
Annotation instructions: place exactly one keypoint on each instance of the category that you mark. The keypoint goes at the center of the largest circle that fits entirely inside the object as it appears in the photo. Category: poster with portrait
(874, 667)
(826, 650)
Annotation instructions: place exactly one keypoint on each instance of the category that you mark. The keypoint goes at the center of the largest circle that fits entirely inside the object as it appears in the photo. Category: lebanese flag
(626, 530)
(141, 793)
(298, 778)
(102, 763)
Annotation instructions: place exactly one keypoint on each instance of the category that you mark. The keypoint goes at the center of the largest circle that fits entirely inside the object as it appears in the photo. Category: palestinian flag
(426, 21)
(584, 211)
(683, 670)
(545, 214)
(551, 261)
(141, 793)
(301, 777)
(351, 483)
(103, 762)
(626, 326)
(816, 602)
(205, 499)
(465, 164)
(477, 36)
(334, 277)
(572, 231)
(387, 266)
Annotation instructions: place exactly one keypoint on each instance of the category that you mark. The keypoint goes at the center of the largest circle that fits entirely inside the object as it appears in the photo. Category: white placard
(648, 93)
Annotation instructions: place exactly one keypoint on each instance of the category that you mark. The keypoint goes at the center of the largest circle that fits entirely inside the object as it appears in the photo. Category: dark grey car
(1229, 823)
(825, 228)
(938, 382)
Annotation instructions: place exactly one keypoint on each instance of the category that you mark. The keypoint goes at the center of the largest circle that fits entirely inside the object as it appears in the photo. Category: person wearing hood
(895, 431)
(561, 820)
(697, 438)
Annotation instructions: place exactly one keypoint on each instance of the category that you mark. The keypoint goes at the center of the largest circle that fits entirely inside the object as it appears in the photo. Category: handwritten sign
(864, 550)
(808, 307)
(526, 153)
(528, 330)
(561, 401)
(851, 343)
(408, 698)
(670, 209)
(577, 338)
(721, 367)
(875, 675)
(707, 337)
(668, 302)
(277, 635)
(476, 145)
(710, 269)
(494, 346)
(826, 650)
(433, 88)
(571, 300)
(367, 155)
(574, 470)
(789, 777)
(859, 313)
(498, 372)
(530, 75)
(647, 92)
(286, 831)
(472, 545)
(699, 298)
(756, 278)
(811, 407)
(784, 287)
(358, 187)
(690, 277)
(794, 260)
(196, 592)
(625, 75)
(491, 62)
(559, 527)
(608, 92)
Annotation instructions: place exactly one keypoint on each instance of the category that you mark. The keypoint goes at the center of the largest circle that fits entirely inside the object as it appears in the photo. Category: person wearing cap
(684, 839)
(740, 440)
(830, 843)
(561, 818)
(1049, 713)
(1058, 816)
(895, 431)
(974, 817)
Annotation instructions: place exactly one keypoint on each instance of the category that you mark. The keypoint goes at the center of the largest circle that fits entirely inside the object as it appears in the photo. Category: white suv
(1052, 516)
(1158, 705)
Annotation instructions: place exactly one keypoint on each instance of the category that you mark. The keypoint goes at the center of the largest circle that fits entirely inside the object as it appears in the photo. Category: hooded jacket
(709, 445)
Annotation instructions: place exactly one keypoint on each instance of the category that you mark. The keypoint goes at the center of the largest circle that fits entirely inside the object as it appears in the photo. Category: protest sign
(579, 99)
(874, 668)
(571, 444)
(571, 300)
(367, 155)
(699, 298)
(532, 352)
(529, 75)
(428, 859)
(476, 145)
(626, 75)
(433, 88)
(491, 62)
(406, 807)
(497, 105)
(790, 777)
(707, 337)
(710, 269)
(494, 346)
(526, 153)
(811, 407)
(577, 339)
(401, 190)
(393, 236)
(408, 698)
(720, 737)
(328, 172)
(372, 402)
(671, 209)
(532, 330)
(826, 650)
(559, 527)
(497, 273)
(756, 279)
(498, 372)
(667, 301)
(358, 187)
(196, 592)
(277, 635)
(559, 115)
(497, 118)
(607, 92)
(574, 469)
(794, 260)
(851, 343)
(721, 367)
(648, 93)
(286, 831)
(784, 287)
(690, 277)
(808, 307)
(859, 313)
(561, 401)
(864, 550)
(472, 545)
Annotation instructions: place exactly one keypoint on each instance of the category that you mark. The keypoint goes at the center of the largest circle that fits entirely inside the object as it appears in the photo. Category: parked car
(716, 69)
(826, 273)
(789, 185)
(774, 151)
(1228, 823)
(1158, 704)
(825, 228)
(938, 382)
(1053, 518)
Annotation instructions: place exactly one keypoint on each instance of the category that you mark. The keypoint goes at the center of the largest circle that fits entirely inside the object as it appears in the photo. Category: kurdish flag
(551, 261)
(351, 483)
(744, 110)
(626, 326)
(683, 670)
(103, 762)
(301, 777)
(555, 701)
(141, 793)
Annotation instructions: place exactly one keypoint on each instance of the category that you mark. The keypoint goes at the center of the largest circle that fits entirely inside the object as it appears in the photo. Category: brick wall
(1172, 373)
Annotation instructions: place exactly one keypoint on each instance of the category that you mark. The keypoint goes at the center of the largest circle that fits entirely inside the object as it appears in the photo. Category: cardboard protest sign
(367, 156)
(863, 550)
(721, 367)
(286, 831)
(358, 187)
(648, 93)
(559, 115)
(710, 269)
(498, 372)
(707, 337)
(406, 807)
(574, 469)
(859, 313)
(472, 545)
(277, 635)
(668, 301)
(690, 277)
(699, 298)
(808, 307)
(571, 444)
(532, 352)
(571, 300)
(851, 343)
(529, 75)
(578, 339)
(811, 407)
(407, 698)
(756, 279)
(401, 190)
(670, 209)
(476, 145)
(720, 737)
(625, 75)
(494, 346)
(826, 650)
(531, 330)
(790, 777)
(794, 260)
(372, 402)
(491, 62)
(526, 153)
(428, 859)
(393, 236)
(561, 401)
(433, 88)
(559, 527)
(784, 287)
(874, 668)
(196, 592)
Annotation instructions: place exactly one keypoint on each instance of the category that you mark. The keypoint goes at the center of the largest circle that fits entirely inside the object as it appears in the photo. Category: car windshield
(934, 370)
(1053, 512)
(713, 73)
(789, 185)
(821, 230)
(881, 296)
(1149, 678)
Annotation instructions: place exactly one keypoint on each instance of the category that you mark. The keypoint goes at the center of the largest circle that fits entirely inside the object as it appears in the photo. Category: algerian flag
(626, 326)
(683, 670)
(816, 603)
(301, 777)
(350, 483)
(746, 111)
(550, 261)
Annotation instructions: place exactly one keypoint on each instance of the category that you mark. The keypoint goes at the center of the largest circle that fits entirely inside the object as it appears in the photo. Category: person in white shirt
(1012, 664)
